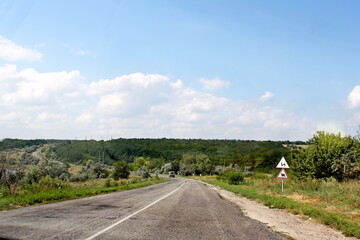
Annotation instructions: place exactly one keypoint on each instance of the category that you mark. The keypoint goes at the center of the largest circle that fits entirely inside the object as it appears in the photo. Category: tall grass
(36, 194)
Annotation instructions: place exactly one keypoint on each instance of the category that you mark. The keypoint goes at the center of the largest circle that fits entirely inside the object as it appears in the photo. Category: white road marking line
(133, 214)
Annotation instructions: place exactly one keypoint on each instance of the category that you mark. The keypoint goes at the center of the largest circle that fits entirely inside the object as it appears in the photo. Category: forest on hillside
(11, 143)
(219, 152)
(326, 155)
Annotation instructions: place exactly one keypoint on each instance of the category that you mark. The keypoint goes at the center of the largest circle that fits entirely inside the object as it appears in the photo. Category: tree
(328, 155)
(94, 170)
(121, 170)
(196, 164)
(46, 167)
(138, 162)
(143, 172)
(8, 178)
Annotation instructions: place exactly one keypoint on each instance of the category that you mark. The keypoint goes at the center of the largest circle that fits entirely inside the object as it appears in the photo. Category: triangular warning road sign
(282, 163)
(282, 174)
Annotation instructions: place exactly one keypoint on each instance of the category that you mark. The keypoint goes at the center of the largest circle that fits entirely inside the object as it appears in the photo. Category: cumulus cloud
(354, 97)
(15, 116)
(138, 105)
(129, 82)
(213, 84)
(34, 88)
(7, 72)
(266, 97)
(10, 51)
(85, 118)
(46, 116)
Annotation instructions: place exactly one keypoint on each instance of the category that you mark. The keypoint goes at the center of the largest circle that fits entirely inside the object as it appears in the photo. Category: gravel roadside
(281, 221)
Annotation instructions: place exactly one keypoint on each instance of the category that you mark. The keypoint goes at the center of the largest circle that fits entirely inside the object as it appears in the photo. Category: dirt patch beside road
(281, 221)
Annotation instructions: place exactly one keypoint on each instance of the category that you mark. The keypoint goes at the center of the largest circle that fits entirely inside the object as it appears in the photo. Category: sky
(258, 70)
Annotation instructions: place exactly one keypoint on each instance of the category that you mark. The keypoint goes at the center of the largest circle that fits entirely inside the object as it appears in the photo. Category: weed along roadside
(43, 193)
(331, 203)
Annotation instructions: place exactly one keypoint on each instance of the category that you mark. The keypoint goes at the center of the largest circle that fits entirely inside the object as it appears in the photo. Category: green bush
(80, 177)
(143, 172)
(123, 182)
(235, 177)
(328, 155)
(121, 170)
(46, 184)
(107, 183)
(111, 183)
(134, 180)
(232, 176)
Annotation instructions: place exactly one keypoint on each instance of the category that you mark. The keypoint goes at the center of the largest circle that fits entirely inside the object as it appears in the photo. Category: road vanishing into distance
(178, 209)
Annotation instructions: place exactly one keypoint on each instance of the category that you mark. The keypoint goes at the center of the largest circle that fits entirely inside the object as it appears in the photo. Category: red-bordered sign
(282, 174)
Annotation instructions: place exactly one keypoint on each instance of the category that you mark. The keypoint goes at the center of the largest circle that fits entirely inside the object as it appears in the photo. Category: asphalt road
(178, 209)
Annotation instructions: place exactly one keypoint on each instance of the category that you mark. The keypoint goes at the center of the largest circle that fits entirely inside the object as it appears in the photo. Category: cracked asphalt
(191, 212)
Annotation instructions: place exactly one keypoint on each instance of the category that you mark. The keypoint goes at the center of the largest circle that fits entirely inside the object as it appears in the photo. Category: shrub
(80, 177)
(50, 168)
(134, 180)
(121, 170)
(123, 182)
(92, 170)
(107, 183)
(143, 172)
(329, 155)
(46, 183)
(235, 177)
(232, 176)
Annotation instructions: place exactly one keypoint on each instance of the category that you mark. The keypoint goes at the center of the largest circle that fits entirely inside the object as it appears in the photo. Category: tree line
(161, 151)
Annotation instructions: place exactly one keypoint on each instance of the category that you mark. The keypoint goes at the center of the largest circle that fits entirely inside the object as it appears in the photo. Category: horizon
(233, 70)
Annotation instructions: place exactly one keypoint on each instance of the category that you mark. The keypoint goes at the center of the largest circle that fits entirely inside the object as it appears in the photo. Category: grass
(78, 190)
(332, 203)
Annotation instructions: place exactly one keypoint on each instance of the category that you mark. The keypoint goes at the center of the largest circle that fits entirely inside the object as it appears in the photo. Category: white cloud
(9, 51)
(8, 71)
(214, 84)
(85, 118)
(112, 103)
(33, 88)
(140, 105)
(15, 116)
(128, 83)
(13, 120)
(46, 116)
(330, 126)
(354, 97)
(267, 96)
(137, 105)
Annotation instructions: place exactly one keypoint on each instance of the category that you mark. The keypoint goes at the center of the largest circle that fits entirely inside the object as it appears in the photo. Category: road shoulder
(281, 221)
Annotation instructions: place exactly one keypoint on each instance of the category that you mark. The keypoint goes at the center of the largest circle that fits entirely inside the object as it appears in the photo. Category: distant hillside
(221, 152)
(9, 143)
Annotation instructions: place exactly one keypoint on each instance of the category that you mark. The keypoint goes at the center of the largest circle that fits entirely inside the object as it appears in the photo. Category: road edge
(280, 221)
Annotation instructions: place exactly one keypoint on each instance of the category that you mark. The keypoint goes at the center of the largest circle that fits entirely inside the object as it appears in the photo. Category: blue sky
(185, 69)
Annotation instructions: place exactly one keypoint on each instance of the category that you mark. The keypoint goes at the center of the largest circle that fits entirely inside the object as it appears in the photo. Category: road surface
(178, 209)
(37, 154)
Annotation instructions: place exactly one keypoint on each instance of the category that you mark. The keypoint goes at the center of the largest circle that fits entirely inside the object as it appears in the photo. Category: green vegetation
(53, 190)
(121, 170)
(329, 202)
(8, 143)
(157, 152)
(328, 155)
(323, 184)
(231, 176)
